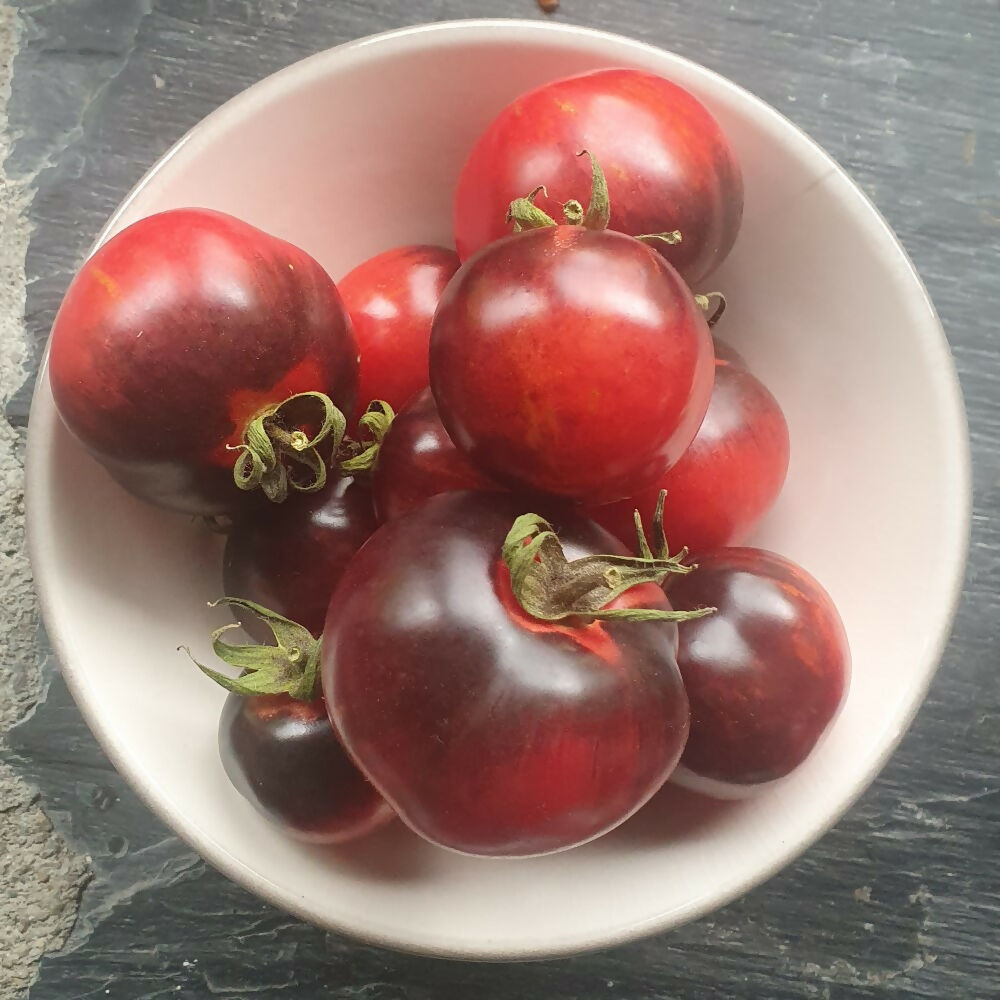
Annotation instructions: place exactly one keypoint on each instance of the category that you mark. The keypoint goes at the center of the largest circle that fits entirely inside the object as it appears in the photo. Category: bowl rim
(957, 517)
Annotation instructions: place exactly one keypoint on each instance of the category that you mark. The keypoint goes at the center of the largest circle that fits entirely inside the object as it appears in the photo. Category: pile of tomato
(486, 508)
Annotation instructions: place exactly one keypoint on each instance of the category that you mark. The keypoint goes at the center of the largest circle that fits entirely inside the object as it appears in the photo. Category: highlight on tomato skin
(391, 299)
(668, 163)
(283, 757)
(766, 674)
(289, 557)
(175, 334)
(571, 361)
(418, 460)
(427, 665)
(730, 475)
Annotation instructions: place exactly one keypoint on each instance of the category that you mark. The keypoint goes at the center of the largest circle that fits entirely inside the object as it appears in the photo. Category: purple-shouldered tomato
(668, 163)
(180, 332)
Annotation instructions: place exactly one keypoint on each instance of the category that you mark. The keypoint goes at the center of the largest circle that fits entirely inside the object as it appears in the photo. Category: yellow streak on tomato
(106, 282)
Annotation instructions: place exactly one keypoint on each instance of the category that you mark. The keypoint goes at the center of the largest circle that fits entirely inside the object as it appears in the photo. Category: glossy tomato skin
(728, 478)
(668, 165)
(490, 732)
(418, 460)
(177, 332)
(283, 756)
(289, 557)
(391, 299)
(571, 362)
(765, 674)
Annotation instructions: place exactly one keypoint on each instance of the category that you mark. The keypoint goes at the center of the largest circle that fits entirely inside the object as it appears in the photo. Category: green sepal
(598, 213)
(276, 456)
(671, 239)
(712, 315)
(374, 424)
(550, 587)
(525, 214)
(289, 666)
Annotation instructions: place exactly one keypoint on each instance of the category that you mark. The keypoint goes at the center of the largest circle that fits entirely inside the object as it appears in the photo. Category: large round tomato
(490, 731)
(727, 479)
(668, 164)
(177, 334)
(571, 361)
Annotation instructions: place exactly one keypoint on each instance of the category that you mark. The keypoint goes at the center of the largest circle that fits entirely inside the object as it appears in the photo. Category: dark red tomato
(726, 352)
(283, 756)
(491, 732)
(766, 673)
(289, 557)
(417, 460)
(571, 362)
(391, 299)
(728, 478)
(668, 165)
(180, 330)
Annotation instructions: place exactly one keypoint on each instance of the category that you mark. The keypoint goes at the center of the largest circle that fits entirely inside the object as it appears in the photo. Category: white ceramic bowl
(358, 149)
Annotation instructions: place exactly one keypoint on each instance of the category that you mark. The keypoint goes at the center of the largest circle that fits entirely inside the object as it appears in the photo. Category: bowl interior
(358, 149)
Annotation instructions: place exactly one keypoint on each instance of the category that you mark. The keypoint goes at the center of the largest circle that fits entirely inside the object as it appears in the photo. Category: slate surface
(902, 898)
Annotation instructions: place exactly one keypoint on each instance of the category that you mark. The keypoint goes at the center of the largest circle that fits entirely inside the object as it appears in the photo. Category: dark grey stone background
(903, 897)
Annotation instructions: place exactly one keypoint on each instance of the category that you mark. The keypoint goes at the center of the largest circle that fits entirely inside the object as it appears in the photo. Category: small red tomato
(391, 299)
(572, 362)
(490, 731)
(179, 332)
(289, 557)
(417, 460)
(283, 756)
(669, 165)
(766, 673)
(728, 478)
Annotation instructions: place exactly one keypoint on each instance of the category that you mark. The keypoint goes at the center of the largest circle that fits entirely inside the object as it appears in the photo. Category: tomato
(276, 741)
(181, 331)
(289, 557)
(418, 460)
(668, 163)
(727, 479)
(571, 361)
(490, 731)
(283, 756)
(765, 674)
(391, 300)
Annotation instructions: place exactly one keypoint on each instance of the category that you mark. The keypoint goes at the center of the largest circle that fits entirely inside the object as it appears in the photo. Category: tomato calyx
(551, 588)
(276, 455)
(525, 214)
(361, 454)
(289, 666)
